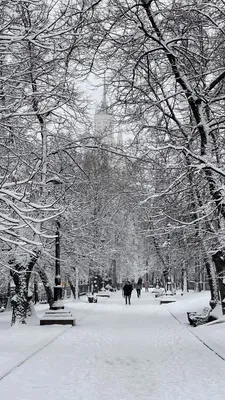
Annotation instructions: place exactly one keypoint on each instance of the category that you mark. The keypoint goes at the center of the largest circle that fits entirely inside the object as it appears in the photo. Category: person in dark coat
(127, 290)
(139, 287)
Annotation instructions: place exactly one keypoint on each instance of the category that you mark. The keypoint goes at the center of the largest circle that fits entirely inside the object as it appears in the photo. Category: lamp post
(57, 314)
(58, 304)
(95, 284)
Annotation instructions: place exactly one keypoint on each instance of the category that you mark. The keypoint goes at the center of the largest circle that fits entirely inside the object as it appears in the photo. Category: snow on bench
(196, 319)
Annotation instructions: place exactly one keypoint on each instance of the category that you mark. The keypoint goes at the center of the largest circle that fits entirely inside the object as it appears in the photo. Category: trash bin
(90, 299)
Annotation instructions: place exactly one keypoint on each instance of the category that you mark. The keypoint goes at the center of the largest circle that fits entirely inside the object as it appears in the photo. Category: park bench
(167, 299)
(82, 294)
(103, 293)
(158, 292)
(196, 318)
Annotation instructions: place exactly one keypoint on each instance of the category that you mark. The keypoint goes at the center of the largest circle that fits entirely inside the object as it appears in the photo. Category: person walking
(127, 290)
(139, 287)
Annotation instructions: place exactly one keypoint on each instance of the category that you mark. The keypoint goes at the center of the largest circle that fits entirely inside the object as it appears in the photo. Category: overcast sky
(93, 88)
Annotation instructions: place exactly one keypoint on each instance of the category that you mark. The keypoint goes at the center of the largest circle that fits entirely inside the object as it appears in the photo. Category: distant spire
(103, 106)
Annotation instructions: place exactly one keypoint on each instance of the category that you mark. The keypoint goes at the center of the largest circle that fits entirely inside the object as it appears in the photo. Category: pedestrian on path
(139, 287)
(127, 290)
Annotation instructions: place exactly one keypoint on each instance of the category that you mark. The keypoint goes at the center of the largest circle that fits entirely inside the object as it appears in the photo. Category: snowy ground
(116, 352)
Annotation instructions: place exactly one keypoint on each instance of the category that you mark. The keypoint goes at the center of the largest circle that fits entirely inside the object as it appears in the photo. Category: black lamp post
(57, 314)
(36, 296)
(58, 304)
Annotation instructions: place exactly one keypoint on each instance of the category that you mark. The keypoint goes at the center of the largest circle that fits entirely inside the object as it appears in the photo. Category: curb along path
(195, 334)
(46, 343)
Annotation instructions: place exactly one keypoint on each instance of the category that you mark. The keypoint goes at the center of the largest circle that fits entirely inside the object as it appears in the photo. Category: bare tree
(167, 76)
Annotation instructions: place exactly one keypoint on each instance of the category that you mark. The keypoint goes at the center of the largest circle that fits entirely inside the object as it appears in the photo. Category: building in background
(104, 126)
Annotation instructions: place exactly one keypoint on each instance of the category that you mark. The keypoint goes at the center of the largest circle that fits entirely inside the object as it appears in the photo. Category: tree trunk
(21, 276)
(184, 286)
(211, 273)
(20, 301)
(31, 264)
(72, 287)
(218, 259)
(114, 283)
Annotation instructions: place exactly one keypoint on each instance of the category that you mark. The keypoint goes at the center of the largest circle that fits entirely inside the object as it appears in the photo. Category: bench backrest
(206, 310)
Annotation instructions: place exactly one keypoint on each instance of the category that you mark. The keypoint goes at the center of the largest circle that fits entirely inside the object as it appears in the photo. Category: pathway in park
(119, 352)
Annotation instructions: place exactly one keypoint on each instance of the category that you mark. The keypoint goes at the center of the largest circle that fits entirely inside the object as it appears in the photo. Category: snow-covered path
(119, 352)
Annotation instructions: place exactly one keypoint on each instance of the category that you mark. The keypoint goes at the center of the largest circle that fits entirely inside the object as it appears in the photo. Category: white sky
(93, 89)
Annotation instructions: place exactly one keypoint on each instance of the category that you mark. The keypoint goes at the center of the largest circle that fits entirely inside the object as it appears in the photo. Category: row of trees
(158, 198)
(166, 64)
(40, 105)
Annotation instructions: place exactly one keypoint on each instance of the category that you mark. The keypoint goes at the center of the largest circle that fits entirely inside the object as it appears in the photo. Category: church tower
(103, 121)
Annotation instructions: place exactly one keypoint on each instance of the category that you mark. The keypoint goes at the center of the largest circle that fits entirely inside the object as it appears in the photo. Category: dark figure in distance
(127, 290)
(139, 287)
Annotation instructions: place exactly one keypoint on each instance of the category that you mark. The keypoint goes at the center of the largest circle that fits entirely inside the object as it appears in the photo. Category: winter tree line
(156, 199)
